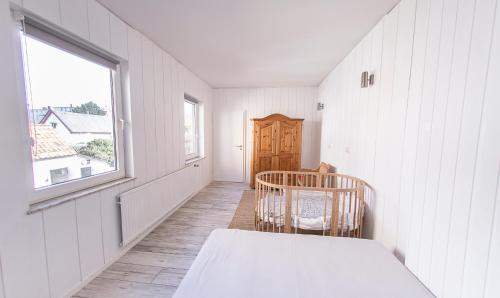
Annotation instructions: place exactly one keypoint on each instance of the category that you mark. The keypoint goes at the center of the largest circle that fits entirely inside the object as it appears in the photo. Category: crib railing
(282, 199)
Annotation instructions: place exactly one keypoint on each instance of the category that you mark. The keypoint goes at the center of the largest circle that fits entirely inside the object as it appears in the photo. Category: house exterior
(79, 129)
(55, 161)
(36, 115)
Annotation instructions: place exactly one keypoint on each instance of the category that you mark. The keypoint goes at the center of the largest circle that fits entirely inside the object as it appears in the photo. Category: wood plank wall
(425, 136)
(299, 102)
(53, 252)
(2, 291)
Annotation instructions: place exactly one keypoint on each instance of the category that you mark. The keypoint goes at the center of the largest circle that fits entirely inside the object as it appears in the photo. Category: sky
(58, 78)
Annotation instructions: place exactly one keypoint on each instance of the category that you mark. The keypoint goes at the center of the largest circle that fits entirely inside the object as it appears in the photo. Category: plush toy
(324, 168)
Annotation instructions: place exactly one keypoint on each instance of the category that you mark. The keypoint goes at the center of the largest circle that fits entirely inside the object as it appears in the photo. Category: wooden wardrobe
(277, 144)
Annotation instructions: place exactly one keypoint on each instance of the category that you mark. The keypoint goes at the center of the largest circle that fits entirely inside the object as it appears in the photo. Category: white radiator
(143, 206)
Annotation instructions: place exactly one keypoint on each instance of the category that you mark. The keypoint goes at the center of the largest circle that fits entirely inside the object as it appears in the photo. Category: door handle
(239, 146)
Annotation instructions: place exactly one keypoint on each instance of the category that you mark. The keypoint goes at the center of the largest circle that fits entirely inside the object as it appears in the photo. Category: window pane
(190, 128)
(70, 108)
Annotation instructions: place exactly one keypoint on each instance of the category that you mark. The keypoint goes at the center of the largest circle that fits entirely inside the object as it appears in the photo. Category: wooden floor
(157, 264)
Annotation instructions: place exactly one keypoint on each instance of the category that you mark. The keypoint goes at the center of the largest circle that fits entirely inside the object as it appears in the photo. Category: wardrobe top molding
(278, 117)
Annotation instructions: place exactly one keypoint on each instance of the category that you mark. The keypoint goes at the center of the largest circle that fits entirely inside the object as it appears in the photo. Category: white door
(229, 141)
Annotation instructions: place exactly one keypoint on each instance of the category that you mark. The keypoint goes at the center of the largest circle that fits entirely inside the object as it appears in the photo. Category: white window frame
(80, 48)
(196, 103)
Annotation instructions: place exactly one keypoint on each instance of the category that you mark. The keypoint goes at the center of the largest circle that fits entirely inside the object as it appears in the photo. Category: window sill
(193, 160)
(52, 202)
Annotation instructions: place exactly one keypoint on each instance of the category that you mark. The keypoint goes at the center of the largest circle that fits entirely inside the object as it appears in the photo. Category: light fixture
(371, 79)
(367, 79)
(364, 79)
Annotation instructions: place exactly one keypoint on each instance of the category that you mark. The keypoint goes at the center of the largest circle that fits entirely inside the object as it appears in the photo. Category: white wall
(72, 163)
(51, 253)
(2, 295)
(426, 137)
(299, 102)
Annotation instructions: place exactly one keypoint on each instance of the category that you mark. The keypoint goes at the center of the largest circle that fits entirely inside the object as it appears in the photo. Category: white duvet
(249, 264)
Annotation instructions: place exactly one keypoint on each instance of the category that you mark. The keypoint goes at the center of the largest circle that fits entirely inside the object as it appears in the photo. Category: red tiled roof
(48, 143)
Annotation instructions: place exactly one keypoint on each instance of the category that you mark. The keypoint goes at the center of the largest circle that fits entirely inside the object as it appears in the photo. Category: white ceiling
(250, 43)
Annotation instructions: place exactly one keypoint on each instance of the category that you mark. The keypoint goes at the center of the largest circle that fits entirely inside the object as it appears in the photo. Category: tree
(89, 108)
(99, 149)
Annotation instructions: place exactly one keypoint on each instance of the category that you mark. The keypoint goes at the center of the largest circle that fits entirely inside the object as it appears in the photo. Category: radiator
(143, 206)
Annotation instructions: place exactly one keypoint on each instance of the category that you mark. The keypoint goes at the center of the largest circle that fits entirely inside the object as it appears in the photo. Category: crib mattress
(235, 263)
(310, 215)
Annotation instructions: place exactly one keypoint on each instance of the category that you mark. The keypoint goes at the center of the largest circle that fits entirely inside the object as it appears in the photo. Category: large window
(191, 129)
(72, 112)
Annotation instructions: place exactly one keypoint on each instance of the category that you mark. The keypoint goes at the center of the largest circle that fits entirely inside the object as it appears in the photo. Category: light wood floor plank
(156, 265)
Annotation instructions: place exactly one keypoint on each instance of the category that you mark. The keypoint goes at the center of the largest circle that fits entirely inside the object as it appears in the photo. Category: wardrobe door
(265, 148)
(286, 145)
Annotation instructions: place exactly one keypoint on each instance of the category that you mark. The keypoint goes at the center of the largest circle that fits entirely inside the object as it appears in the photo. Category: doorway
(230, 125)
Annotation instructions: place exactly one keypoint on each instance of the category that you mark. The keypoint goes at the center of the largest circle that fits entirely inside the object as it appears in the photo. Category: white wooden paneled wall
(138, 215)
(426, 137)
(54, 252)
(2, 292)
(297, 102)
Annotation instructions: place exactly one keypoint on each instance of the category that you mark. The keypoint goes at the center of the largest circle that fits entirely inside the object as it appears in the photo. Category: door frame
(244, 143)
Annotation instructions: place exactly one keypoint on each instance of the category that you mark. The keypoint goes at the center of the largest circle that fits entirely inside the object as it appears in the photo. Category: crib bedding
(310, 215)
(235, 263)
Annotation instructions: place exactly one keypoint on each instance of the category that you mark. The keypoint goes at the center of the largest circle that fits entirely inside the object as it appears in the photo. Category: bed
(236, 263)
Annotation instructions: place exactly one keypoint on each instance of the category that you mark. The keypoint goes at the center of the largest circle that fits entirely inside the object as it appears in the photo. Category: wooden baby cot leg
(324, 213)
(343, 215)
(288, 210)
(334, 225)
(297, 212)
(274, 209)
(361, 210)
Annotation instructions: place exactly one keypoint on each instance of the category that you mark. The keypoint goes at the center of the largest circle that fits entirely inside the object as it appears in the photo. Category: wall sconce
(364, 79)
(371, 79)
(367, 79)
(320, 106)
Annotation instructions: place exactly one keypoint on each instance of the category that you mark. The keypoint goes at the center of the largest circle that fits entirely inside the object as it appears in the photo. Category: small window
(71, 111)
(58, 175)
(191, 136)
(86, 171)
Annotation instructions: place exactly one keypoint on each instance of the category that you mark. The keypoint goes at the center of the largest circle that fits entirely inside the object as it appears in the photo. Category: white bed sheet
(240, 264)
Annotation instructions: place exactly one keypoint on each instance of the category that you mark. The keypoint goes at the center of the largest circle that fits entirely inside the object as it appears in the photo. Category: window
(72, 108)
(59, 175)
(191, 136)
(86, 171)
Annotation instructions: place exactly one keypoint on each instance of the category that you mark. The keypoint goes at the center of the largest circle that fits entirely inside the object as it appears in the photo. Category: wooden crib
(309, 202)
